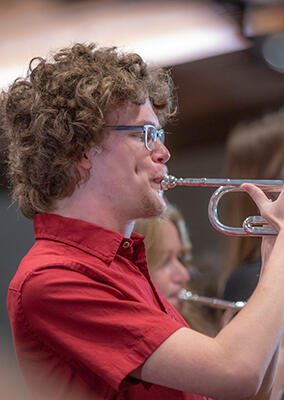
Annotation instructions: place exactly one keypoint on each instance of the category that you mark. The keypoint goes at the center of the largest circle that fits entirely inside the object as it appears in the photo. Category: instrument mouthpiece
(168, 182)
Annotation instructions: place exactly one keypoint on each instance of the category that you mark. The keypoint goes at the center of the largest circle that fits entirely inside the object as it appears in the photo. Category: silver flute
(211, 301)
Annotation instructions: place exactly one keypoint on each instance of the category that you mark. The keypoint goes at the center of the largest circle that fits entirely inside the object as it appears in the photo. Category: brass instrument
(252, 226)
(211, 301)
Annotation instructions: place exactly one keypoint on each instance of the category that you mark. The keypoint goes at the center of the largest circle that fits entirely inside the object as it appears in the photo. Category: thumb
(258, 196)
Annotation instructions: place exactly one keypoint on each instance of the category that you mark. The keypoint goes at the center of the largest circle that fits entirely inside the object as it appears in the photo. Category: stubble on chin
(153, 206)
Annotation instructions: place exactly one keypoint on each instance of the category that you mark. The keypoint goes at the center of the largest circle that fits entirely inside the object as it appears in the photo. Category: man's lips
(156, 183)
(158, 179)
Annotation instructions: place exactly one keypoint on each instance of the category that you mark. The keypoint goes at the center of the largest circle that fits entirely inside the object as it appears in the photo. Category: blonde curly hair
(58, 111)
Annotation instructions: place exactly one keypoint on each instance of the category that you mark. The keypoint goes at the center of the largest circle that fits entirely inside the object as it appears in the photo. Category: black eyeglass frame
(158, 133)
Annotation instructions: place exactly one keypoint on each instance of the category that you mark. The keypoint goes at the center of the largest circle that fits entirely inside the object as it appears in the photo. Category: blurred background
(227, 61)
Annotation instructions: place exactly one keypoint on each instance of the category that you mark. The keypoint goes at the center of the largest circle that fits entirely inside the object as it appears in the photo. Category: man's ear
(85, 161)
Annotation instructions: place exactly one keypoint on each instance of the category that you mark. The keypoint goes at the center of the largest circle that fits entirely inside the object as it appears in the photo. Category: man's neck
(94, 212)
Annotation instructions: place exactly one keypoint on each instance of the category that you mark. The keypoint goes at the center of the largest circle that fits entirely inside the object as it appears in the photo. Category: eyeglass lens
(151, 136)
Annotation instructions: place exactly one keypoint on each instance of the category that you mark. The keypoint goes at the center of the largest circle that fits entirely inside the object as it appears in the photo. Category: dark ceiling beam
(217, 93)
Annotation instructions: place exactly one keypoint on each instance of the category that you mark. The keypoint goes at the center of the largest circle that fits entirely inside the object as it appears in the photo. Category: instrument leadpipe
(252, 226)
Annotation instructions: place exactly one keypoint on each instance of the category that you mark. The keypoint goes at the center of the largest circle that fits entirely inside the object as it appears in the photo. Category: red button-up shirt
(84, 314)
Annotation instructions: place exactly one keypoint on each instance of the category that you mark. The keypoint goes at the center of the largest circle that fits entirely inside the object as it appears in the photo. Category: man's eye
(138, 135)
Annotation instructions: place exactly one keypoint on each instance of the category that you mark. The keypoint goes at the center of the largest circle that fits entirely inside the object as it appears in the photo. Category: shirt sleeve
(91, 323)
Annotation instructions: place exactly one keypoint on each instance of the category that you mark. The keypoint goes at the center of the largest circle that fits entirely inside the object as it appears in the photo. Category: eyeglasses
(151, 133)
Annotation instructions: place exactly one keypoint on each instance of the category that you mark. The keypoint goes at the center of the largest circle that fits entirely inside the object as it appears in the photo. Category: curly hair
(59, 110)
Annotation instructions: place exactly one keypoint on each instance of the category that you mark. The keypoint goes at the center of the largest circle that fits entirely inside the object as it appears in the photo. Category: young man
(86, 158)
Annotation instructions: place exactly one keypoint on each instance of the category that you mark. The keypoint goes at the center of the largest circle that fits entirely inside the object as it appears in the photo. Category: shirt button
(125, 244)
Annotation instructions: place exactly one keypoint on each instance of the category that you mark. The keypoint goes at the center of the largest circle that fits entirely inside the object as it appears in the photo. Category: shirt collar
(88, 237)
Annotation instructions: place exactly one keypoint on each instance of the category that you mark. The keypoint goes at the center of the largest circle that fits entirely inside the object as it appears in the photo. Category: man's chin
(154, 206)
(163, 208)
(161, 203)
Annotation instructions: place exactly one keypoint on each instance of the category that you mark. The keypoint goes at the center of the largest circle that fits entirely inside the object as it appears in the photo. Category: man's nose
(161, 153)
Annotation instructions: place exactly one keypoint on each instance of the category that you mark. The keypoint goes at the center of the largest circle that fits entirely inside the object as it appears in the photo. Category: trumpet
(211, 301)
(253, 225)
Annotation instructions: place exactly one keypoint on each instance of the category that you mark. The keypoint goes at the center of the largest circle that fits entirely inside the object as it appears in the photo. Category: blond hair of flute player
(86, 158)
(170, 263)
